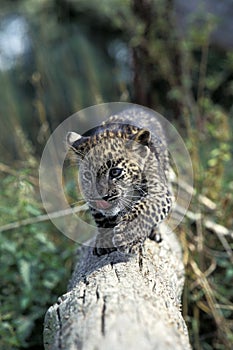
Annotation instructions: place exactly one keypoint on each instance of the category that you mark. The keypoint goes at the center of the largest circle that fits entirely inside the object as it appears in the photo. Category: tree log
(122, 302)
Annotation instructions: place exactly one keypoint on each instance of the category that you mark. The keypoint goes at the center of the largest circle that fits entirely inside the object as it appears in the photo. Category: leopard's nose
(115, 191)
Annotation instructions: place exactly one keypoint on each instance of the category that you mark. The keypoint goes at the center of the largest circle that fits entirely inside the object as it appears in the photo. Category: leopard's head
(111, 167)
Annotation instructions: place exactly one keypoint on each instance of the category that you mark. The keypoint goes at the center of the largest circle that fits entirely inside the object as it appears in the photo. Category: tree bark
(122, 302)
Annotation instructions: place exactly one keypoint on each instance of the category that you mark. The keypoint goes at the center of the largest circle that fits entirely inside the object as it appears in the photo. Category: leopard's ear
(77, 144)
(72, 142)
(139, 142)
(143, 137)
(71, 138)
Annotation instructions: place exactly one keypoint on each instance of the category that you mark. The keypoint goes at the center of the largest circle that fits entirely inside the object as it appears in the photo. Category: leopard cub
(123, 169)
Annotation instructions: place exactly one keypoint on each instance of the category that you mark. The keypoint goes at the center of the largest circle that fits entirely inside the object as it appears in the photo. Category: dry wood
(122, 302)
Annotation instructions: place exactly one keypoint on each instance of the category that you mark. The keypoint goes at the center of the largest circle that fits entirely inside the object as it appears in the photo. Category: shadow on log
(122, 302)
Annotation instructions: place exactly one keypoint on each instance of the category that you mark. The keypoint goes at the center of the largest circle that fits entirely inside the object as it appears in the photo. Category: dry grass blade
(42, 218)
(212, 307)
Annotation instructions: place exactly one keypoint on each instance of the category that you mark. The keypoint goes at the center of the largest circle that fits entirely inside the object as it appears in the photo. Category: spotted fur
(123, 169)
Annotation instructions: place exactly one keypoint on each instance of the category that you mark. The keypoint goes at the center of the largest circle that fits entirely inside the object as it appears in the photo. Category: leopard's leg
(136, 226)
(103, 243)
(98, 251)
(129, 238)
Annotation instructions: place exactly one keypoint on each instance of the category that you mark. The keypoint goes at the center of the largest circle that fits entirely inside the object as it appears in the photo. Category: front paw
(119, 240)
(123, 238)
(121, 228)
(120, 234)
(98, 251)
(125, 247)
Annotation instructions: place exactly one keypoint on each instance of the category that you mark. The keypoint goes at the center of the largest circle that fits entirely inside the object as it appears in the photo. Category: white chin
(111, 212)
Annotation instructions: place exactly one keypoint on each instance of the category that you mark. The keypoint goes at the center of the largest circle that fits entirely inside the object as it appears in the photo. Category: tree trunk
(122, 302)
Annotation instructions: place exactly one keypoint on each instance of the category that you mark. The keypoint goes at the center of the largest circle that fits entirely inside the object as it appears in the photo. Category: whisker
(127, 203)
(140, 193)
(132, 195)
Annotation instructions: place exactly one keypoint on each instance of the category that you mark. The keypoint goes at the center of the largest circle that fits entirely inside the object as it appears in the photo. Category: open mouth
(102, 204)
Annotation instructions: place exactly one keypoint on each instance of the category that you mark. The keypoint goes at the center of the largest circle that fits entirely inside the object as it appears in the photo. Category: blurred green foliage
(78, 53)
(35, 267)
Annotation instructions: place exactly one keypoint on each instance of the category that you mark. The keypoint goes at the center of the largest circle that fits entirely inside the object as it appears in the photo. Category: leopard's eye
(87, 175)
(115, 172)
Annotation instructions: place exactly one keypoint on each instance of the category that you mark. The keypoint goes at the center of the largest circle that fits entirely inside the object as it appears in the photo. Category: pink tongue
(101, 204)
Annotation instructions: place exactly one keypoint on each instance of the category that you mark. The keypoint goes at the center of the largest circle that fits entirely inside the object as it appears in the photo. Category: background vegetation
(59, 56)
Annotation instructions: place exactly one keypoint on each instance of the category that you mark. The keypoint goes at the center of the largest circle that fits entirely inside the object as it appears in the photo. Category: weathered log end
(122, 302)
